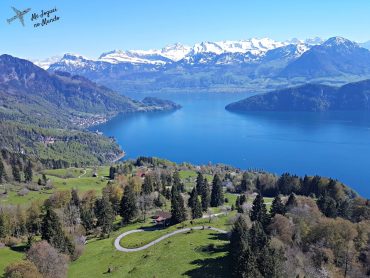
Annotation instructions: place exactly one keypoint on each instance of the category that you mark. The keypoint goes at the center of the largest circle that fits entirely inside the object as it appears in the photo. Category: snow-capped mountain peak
(175, 52)
(339, 42)
(45, 63)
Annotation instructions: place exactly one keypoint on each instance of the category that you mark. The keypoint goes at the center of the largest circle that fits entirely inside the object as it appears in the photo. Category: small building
(162, 218)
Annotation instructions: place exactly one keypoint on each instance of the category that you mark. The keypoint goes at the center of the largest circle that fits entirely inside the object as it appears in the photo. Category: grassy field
(189, 255)
(62, 179)
(143, 238)
(8, 256)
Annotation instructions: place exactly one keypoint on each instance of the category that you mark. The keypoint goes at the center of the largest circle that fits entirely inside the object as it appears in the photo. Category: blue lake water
(335, 144)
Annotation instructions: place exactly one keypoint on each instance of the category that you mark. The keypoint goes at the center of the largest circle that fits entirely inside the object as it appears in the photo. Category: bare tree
(48, 261)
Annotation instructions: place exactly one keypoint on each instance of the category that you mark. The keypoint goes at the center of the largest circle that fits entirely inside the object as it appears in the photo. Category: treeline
(295, 240)
(15, 167)
(333, 198)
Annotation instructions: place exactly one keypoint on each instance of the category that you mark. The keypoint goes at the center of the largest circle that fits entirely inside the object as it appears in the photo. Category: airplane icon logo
(19, 15)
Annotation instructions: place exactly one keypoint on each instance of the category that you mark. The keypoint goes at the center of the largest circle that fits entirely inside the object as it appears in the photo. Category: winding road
(184, 230)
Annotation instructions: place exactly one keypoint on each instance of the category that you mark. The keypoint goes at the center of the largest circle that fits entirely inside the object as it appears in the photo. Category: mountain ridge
(309, 97)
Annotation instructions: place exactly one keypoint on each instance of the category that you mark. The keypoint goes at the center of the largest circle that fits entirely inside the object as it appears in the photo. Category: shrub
(22, 269)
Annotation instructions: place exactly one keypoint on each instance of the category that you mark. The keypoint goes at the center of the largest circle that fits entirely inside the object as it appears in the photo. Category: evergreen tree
(105, 214)
(128, 207)
(44, 179)
(52, 232)
(270, 262)
(88, 218)
(112, 172)
(178, 213)
(177, 181)
(217, 195)
(16, 173)
(344, 209)
(292, 202)
(306, 186)
(327, 205)
(277, 207)
(259, 185)
(243, 259)
(75, 199)
(259, 212)
(147, 187)
(240, 200)
(244, 182)
(200, 183)
(159, 202)
(195, 205)
(258, 238)
(205, 196)
(28, 172)
(2, 170)
(168, 194)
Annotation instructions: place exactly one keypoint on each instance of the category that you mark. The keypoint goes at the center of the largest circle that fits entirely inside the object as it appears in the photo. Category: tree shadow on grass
(19, 248)
(211, 267)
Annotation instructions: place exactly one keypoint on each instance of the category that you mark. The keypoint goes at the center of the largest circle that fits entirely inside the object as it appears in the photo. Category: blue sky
(92, 27)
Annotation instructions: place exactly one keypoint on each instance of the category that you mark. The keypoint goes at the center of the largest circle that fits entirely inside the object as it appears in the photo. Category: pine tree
(178, 213)
(270, 262)
(259, 212)
(112, 172)
(16, 173)
(147, 187)
(244, 183)
(259, 184)
(177, 181)
(87, 218)
(217, 195)
(205, 196)
(52, 232)
(75, 199)
(240, 200)
(2, 170)
(44, 179)
(200, 183)
(105, 214)
(258, 238)
(28, 172)
(292, 202)
(128, 207)
(195, 205)
(243, 259)
(277, 207)
(327, 205)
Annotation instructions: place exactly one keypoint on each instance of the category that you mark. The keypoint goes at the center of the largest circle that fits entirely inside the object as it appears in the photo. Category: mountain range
(32, 94)
(310, 97)
(246, 65)
(44, 115)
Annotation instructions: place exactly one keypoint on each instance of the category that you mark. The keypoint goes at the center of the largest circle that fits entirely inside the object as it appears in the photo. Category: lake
(333, 144)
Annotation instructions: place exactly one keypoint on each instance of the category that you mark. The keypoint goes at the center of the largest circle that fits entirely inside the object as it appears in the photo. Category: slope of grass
(186, 255)
(8, 256)
(62, 179)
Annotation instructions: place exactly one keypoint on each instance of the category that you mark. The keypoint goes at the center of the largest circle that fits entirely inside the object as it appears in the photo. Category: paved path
(122, 249)
(84, 173)
(214, 215)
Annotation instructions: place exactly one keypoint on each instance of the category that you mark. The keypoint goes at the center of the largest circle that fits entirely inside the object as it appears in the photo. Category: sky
(96, 26)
